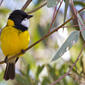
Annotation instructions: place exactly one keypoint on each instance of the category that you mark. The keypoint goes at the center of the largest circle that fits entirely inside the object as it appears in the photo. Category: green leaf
(71, 40)
(81, 26)
(80, 3)
(39, 70)
(66, 7)
(51, 3)
(46, 81)
(22, 80)
(52, 72)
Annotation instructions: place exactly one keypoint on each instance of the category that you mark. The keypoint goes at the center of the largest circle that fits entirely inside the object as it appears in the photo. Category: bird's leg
(6, 59)
(22, 51)
(16, 59)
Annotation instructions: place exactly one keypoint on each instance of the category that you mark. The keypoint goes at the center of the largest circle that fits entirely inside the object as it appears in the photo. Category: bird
(14, 38)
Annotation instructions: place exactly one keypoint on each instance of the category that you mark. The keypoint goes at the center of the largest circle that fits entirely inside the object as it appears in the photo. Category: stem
(26, 4)
(55, 16)
(36, 9)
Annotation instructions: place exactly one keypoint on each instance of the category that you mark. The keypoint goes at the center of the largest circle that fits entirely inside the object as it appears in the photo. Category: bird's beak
(29, 16)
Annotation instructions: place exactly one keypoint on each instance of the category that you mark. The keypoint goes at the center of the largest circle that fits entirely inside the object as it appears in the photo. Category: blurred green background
(34, 67)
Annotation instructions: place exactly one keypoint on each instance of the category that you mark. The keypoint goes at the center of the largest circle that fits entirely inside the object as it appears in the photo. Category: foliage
(34, 68)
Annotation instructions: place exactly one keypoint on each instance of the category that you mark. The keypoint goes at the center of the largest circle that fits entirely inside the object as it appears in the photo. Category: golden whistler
(14, 39)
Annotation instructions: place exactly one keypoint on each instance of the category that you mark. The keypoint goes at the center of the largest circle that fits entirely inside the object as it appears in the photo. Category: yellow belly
(13, 40)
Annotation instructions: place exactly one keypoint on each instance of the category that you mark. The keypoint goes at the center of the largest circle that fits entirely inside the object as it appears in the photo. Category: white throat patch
(25, 22)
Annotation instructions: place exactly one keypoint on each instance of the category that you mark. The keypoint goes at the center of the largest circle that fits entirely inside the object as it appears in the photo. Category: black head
(18, 16)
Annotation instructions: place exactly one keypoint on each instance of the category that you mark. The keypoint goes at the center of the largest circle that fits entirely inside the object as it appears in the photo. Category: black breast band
(21, 27)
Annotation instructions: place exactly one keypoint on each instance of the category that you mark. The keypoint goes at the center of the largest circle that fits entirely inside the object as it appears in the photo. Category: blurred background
(34, 67)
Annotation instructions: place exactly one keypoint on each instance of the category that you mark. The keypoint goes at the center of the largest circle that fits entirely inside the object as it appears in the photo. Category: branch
(54, 18)
(34, 10)
(26, 4)
(44, 37)
(73, 26)
(70, 68)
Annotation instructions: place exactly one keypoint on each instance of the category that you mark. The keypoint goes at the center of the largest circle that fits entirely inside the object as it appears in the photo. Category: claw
(22, 51)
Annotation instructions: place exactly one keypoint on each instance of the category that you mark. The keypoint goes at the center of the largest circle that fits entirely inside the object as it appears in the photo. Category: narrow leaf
(81, 26)
(22, 80)
(80, 3)
(71, 40)
(39, 70)
(51, 3)
(66, 7)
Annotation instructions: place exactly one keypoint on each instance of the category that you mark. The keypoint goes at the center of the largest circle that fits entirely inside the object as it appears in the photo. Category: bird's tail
(10, 71)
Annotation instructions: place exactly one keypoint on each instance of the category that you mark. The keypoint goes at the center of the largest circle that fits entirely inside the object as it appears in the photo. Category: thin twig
(74, 26)
(59, 79)
(77, 18)
(55, 15)
(44, 37)
(26, 4)
(36, 9)
(1, 2)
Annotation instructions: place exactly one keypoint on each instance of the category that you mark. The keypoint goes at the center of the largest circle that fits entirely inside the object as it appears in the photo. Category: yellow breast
(13, 40)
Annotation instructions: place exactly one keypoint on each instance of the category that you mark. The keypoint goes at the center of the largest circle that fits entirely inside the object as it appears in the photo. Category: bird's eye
(25, 22)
